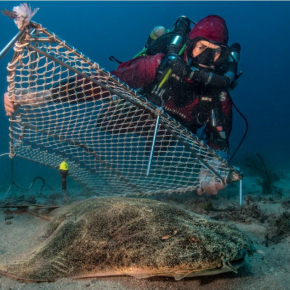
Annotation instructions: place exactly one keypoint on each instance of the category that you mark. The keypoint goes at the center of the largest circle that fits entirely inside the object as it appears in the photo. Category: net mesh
(71, 109)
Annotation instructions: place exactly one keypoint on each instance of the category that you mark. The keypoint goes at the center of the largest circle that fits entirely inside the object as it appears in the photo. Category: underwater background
(101, 29)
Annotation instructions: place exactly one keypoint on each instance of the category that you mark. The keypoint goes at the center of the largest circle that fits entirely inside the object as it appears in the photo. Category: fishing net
(115, 141)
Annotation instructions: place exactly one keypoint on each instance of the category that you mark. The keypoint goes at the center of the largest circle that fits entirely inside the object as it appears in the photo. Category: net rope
(71, 109)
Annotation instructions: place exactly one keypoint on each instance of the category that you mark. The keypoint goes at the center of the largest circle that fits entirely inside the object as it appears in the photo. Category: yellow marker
(63, 169)
(63, 166)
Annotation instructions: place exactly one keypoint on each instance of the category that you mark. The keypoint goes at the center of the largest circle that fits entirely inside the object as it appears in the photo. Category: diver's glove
(207, 78)
(177, 66)
(208, 183)
(200, 76)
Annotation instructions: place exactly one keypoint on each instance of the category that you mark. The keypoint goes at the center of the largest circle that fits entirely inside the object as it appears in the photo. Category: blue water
(102, 29)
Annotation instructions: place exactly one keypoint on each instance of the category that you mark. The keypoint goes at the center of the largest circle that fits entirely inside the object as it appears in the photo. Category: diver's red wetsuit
(188, 102)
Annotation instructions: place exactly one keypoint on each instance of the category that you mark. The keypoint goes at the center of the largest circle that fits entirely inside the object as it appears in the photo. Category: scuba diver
(197, 92)
(189, 72)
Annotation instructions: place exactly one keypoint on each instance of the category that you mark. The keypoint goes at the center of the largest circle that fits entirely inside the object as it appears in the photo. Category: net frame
(39, 45)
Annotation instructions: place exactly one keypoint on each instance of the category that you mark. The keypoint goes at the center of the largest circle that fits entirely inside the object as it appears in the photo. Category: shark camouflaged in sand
(131, 236)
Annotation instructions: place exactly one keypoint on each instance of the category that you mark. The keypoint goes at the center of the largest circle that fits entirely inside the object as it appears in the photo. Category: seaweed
(245, 214)
(266, 175)
(201, 204)
(286, 203)
(278, 228)
(208, 206)
(8, 215)
(31, 199)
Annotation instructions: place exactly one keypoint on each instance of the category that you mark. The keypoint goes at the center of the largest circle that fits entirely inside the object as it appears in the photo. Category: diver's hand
(26, 97)
(207, 180)
(9, 105)
(177, 65)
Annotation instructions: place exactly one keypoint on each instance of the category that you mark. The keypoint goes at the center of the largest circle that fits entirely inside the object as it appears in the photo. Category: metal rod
(241, 191)
(12, 171)
(7, 192)
(12, 179)
(11, 43)
(34, 55)
(34, 39)
(153, 144)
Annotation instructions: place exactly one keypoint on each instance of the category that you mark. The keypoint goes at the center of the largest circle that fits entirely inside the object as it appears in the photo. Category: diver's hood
(213, 28)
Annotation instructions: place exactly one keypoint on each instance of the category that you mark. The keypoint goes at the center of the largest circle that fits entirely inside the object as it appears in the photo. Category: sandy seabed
(268, 269)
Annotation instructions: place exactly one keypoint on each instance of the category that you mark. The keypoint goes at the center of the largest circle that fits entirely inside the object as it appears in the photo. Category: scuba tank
(181, 30)
(160, 38)
(154, 34)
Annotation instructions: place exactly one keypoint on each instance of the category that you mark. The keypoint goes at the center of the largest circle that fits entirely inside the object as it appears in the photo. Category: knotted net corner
(71, 109)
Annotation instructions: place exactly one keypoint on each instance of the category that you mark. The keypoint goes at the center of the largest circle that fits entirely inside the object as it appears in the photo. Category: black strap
(112, 58)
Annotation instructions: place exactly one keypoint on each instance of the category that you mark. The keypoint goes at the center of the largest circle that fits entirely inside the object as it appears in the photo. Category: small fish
(193, 240)
(166, 237)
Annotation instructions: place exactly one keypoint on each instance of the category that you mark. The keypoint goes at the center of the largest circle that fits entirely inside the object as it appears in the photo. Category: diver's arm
(218, 80)
(77, 90)
(210, 78)
(25, 97)
(213, 79)
(72, 91)
(136, 73)
(139, 72)
(9, 105)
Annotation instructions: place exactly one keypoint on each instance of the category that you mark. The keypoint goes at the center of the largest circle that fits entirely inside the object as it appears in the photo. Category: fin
(18, 278)
(180, 276)
(228, 265)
